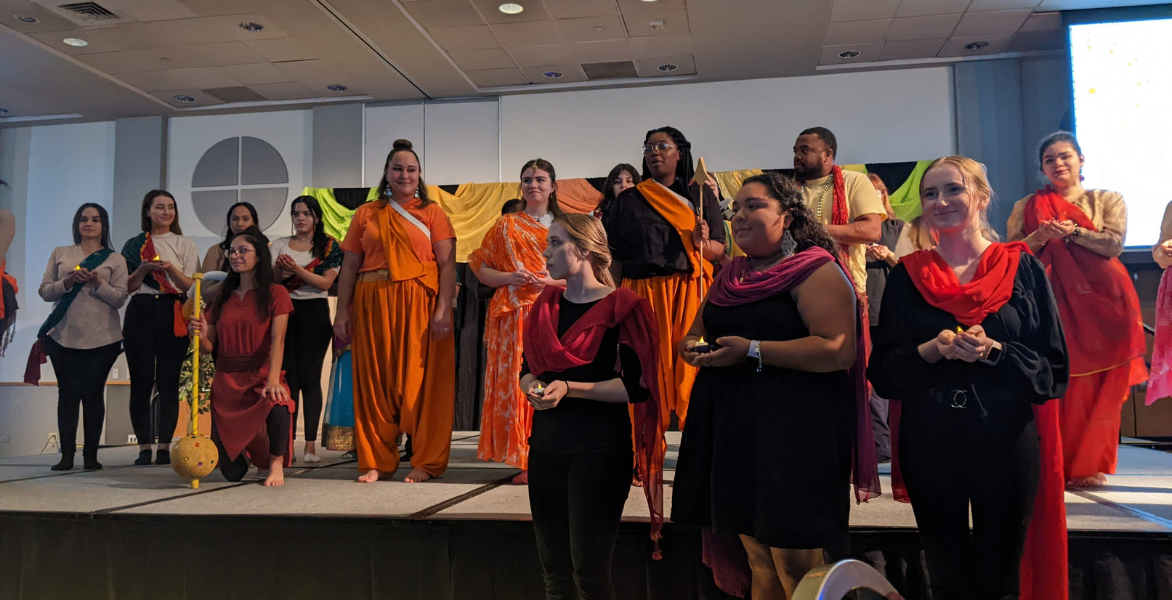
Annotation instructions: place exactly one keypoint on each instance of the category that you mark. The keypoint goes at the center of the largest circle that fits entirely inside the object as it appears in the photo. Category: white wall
(459, 141)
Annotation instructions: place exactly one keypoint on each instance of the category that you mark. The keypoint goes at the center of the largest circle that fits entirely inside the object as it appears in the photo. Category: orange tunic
(404, 380)
(516, 241)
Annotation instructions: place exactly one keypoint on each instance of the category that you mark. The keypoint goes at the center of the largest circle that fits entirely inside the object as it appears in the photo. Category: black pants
(277, 426)
(577, 502)
(880, 426)
(306, 341)
(81, 380)
(154, 357)
(951, 459)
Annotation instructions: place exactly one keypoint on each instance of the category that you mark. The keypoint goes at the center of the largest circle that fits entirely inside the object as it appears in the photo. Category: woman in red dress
(251, 406)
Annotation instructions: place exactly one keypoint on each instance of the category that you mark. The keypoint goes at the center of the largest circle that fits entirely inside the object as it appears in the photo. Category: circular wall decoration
(239, 169)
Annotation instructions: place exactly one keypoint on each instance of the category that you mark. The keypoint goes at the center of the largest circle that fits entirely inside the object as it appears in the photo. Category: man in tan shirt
(814, 168)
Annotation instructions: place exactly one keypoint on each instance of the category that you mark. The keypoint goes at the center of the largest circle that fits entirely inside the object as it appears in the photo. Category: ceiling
(169, 57)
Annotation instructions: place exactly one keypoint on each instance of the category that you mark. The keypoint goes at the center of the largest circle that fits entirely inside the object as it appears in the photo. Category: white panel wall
(883, 116)
(463, 142)
(384, 125)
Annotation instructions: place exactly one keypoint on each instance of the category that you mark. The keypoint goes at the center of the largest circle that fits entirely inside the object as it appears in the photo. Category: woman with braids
(662, 251)
(307, 264)
(246, 327)
(621, 178)
(399, 274)
(1078, 234)
(510, 260)
(779, 398)
(590, 349)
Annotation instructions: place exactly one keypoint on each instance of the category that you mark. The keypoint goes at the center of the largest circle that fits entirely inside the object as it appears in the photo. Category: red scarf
(971, 302)
(1096, 298)
(545, 351)
(148, 253)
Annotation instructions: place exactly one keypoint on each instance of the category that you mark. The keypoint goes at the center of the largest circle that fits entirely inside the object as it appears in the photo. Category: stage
(141, 532)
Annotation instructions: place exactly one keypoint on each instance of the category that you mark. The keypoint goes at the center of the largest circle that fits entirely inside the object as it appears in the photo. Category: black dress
(767, 454)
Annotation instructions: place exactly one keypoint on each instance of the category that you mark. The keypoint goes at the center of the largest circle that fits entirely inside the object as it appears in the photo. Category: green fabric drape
(906, 200)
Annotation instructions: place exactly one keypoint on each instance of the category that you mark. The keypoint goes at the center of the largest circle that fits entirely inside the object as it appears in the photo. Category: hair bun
(401, 144)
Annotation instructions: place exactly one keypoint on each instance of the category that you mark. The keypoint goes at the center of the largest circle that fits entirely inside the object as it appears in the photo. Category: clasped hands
(1055, 229)
(82, 276)
(969, 346)
(548, 396)
(733, 350)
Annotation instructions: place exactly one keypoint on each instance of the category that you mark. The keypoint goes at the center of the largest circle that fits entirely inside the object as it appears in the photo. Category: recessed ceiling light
(849, 54)
(552, 74)
(511, 8)
(600, 28)
(182, 98)
(667, 67)
(250, 26)
(976, 45)
(26, 18)
(649, 0)
(334, 87)
(76, 42)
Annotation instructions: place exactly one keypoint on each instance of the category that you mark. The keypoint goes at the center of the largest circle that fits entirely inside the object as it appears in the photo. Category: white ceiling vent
(84, 14)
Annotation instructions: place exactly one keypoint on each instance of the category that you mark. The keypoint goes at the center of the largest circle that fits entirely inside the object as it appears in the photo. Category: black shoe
(65, 464)
(164, 457)
(90, 463)
(144, 457)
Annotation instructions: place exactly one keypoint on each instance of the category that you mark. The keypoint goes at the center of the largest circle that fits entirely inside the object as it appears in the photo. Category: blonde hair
(975, 180)
(588, 236)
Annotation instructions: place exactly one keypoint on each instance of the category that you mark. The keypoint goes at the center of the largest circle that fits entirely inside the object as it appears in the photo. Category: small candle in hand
(701, 346)
(77, 268)
(538, 391)
(156, 258)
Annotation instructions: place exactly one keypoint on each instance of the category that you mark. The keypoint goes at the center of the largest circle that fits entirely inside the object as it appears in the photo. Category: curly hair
(804, 227)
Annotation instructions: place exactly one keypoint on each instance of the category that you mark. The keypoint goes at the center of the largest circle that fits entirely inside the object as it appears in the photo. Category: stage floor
(1138, 499)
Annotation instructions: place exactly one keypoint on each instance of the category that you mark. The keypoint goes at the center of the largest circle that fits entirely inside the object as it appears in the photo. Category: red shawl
(1043, 562)
(1096, 298)
(546, 352)
(148, 253)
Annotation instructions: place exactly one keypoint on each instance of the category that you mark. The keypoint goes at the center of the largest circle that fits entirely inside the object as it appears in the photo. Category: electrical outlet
(132, 439)
(115, 373)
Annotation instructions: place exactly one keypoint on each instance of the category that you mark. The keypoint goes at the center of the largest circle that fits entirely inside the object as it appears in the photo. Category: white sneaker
(311, 458)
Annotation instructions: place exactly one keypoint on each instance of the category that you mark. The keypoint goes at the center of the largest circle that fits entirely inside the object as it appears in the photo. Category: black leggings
(154, 357)
(277, 426)
(81, 380)
(306, 341)
(951, 459)
(577, 502)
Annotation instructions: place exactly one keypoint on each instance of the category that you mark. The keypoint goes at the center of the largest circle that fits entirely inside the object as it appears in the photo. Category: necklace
(822, 195)
(766, 263)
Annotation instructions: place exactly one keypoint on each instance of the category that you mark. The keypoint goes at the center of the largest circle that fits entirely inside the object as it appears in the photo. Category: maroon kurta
(239, 407)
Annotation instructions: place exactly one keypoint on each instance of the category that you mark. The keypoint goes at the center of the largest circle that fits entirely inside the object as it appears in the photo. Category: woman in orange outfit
(399, 272)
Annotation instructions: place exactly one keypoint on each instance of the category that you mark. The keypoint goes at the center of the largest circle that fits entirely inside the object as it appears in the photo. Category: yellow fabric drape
(730, 181)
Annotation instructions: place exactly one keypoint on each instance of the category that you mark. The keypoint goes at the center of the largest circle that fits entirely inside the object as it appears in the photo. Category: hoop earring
(788, 243)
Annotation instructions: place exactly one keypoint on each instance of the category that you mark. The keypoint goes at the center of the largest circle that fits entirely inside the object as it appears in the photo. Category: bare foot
(276, 473)
(370, 476)
(1096, 480)
(636, 480)
(522, 478)
(416, 475)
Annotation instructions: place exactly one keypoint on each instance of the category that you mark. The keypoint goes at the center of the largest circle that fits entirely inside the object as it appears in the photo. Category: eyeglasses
(242, 251)
(660, 148)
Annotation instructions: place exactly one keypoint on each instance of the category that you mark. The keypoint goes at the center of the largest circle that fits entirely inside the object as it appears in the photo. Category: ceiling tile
(258, 74)
(536, 56)
(637, 6)
(912, 49)
(674, 22)
(282, 49)
(284, 91)
(919, 8)
(232, 25)
(570, 9)
(649, 67)
(956, 45)
(354, 87)
(201, 99)
(863, 10)
(216, 8)
(201, 78)
(490, 9)
(868, 53)
(191, 32)
(923, 28)
(226, 54)
(585, 29)
(666, 45)
(856, 32)
(48, 20)
(480, 60)
(599, 52)
(465, 37)
(527, 33)
(53, 40)
(128, 36)
(982, 5)
(137, 61)
(311, 70)
(1043, 22)
(151, 10)
(443, 13)
(571, 73)
(497, 77)
(995, 21)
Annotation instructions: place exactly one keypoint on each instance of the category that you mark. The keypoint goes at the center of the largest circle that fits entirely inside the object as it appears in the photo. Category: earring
(788, 243)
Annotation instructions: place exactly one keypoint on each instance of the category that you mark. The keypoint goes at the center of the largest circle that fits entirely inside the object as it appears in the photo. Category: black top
(645, 243)
(580, 425)
(1033, 366)
(877, 270)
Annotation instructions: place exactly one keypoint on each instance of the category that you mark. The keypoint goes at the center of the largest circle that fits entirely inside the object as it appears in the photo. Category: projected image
(1123, 116)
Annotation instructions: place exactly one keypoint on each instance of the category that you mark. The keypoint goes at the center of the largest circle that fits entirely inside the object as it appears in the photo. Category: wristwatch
(755, 352)
(994, 354)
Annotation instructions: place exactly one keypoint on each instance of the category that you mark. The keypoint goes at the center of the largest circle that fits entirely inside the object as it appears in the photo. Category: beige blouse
(1165, 235)
(92, 320)
(1106, 210)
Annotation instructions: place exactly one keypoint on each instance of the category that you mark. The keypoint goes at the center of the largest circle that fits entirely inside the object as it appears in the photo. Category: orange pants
(507, 417)
(1090, 413)
(674, 299)
(403, 380)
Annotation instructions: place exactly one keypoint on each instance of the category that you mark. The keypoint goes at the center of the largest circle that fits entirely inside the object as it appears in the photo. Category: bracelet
(755, 352)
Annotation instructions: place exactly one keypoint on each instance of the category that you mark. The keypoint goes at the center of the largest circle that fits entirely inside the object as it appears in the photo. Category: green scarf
(90, 263)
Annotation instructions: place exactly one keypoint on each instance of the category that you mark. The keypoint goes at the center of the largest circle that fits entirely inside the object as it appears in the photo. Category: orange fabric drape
(516, 241)
(682, 219)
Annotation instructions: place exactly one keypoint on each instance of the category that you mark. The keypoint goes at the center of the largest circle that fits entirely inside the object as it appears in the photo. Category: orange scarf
(402, 262)
(680, 217)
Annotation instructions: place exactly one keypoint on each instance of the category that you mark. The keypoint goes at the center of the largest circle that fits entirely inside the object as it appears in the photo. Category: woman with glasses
(663, 252)
(246, 326)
